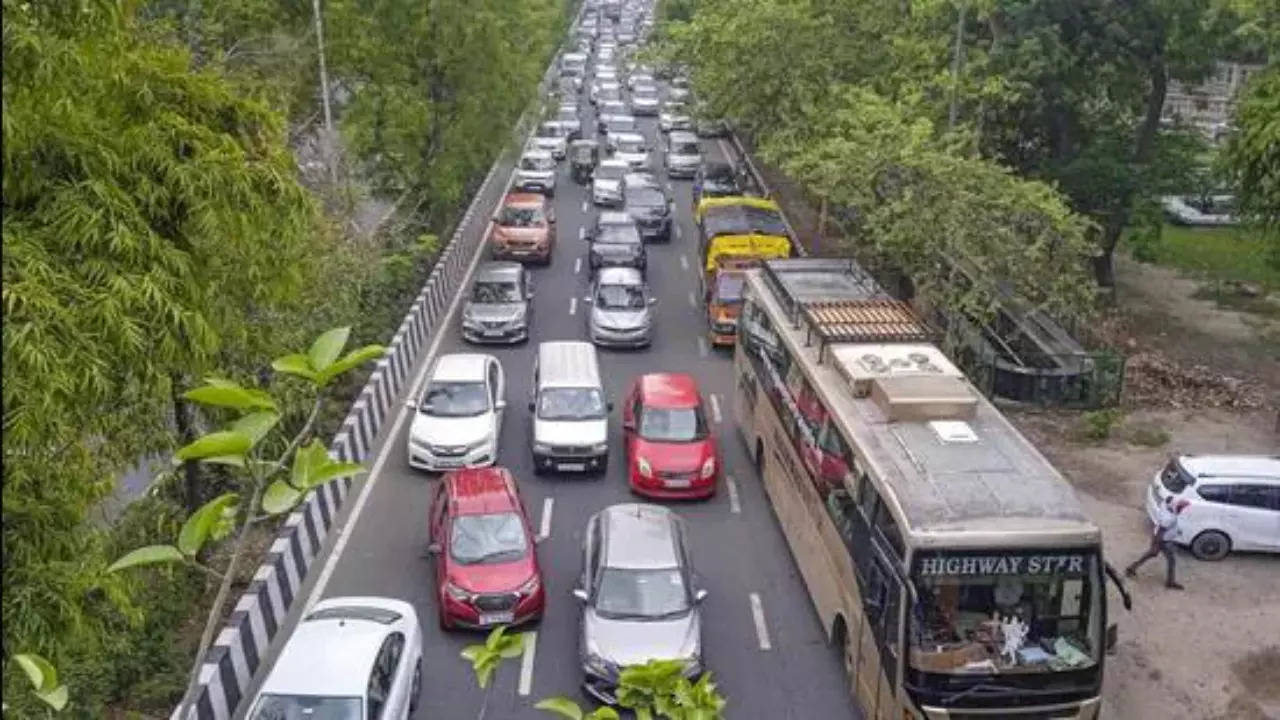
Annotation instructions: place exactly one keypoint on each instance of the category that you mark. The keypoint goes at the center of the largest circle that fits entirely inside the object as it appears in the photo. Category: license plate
(498, 618)
(677, 484)
(574, 467)
(448, 463)
(493, 333)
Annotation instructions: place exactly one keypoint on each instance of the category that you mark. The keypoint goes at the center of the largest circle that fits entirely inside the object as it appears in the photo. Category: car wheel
(415, 689)
(1211, 545)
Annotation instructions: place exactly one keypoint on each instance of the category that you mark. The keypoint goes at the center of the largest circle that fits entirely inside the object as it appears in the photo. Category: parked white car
(458, 418)
(1232, 502)
(1217, 211)
(350, 657)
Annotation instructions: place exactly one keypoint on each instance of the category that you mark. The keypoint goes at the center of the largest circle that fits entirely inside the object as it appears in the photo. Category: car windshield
(549, 131)
(570, 404)
(455, 399)
(629, 145)
(627, 593)
(1001, 613)
(611, 172)
(741, 220)
(488, 538)
(672, 424)
(521, 216)
(618, 234)
(533, 162)
(646, 196)
(494, 291)
(646, 92)
(685, 148)
(620, 124)
(568, 115)
(609, 93)
(620, 297)
(307, 707)
(729, 288)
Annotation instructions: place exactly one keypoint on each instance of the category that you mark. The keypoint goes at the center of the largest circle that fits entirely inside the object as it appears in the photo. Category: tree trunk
(189, 489)
(1144, 145)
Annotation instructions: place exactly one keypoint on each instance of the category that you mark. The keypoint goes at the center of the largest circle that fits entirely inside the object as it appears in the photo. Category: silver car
(684, 154)
(536, 172)
(606, 182)
(640, 602)
(644, 100)
(553, 137)
(620, 309)
(499, 308)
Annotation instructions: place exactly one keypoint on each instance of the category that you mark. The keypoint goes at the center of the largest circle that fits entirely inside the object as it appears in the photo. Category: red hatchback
(670, 450)
(487, 571)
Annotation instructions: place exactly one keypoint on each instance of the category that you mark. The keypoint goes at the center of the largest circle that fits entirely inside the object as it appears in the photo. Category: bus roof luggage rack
(798, 282)
(864, 321)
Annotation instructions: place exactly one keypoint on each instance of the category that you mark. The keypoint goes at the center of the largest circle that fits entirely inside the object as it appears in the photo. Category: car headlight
(643, 467)
(530, 587)
(600, 447)
(598, 665)
(541, 448)
(456, 592)
(708, 468)
(470, 323)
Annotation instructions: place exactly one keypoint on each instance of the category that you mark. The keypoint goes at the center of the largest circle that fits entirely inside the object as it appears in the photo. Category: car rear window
(1174, 478)
(356, 612)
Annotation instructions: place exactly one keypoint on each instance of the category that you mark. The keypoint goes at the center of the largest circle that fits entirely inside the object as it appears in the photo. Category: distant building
(1210, 104)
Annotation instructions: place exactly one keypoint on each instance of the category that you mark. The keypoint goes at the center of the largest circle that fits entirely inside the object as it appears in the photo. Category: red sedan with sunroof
(671, 452)
(487, 571)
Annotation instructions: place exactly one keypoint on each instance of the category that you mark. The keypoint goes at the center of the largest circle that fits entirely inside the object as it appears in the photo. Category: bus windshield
(1006, 612)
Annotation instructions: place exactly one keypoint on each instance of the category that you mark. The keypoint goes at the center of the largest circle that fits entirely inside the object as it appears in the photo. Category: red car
(486, 568)
(670, 450)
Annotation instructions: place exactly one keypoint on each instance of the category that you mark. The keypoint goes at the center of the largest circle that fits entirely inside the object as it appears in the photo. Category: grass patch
(1096, 425)
(1147, 435)
(1213, 254)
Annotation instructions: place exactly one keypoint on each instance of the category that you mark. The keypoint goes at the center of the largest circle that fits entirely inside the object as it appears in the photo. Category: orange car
(524, 228)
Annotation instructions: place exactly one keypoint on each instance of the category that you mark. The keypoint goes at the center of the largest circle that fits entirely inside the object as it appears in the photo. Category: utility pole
(324, 93)
(956, 56)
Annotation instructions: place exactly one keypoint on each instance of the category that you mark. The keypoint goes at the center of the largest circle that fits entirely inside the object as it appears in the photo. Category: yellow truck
(734, 234)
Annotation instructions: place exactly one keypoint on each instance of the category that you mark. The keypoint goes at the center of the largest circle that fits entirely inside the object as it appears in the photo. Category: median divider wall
(236, 655)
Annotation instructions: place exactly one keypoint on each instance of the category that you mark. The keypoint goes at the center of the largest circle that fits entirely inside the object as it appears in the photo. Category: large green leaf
(224, 393)
(351, 360)
(41, 672)
(511, 646)
(561, 706)
(327, 347)
(280, 497)
(55, 698)
(296, 364)
(198, 528)
(148, 555)
(306, 461)
(256, 425)
(223, 442)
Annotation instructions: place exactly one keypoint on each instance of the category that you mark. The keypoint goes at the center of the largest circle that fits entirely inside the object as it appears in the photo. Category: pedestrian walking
(1162, 541)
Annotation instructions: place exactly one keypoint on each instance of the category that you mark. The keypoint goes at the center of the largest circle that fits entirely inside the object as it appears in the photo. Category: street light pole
(953, 113)
(324, 92)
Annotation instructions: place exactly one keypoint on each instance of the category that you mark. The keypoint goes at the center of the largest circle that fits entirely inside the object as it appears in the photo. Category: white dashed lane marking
(573, 305)
(735, 504)
(526, 662)
(693, 300)
(577, 266)
(702, 346)
(544, 529)
(757, 614)
(715, 408)
(684, 263)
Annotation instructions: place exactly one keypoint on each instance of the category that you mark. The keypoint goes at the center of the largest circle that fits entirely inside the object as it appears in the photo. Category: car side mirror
(588, 300)
(501, 404)
(411, 404)
(653, 301)
(580, 594)
(434, 549)
(700, 596)
(1113, 637)
(609, 405)
(531, 406)
(539, 539)
(495, 217)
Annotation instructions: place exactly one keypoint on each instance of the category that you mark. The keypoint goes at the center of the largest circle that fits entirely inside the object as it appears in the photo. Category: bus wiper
(985, 688)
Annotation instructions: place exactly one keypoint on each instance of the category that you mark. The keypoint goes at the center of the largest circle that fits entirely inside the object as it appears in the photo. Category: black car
(616, 242)
(715, 179)
(650, 207)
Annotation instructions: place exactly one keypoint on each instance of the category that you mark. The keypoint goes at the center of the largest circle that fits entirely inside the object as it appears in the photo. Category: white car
(606, 182)
(1232, 502)
(674, 117)
(553, 137)
(458, 418)
(631, 149)
(350, 657)
(644, 100)
(536, 172)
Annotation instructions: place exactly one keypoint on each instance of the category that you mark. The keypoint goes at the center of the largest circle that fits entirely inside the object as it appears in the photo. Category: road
(762, 639)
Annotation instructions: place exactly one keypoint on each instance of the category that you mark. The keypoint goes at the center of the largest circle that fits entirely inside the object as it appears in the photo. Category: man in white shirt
(1162, 541)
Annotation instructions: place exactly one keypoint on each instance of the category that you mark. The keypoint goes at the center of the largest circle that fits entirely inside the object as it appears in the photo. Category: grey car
(499, 308)
(684, 154)
(620, 309)
(639, 597)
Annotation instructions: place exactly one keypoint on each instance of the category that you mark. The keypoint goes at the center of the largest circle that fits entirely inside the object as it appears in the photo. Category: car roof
(480, 490)
(629, 137)
(616, 217)
(460, 367)
(672, 390)
(639, 536)
(632, 118)
(499, 270)
(1261, 468)
(525, 199)
(568, 363)
(533, 152)
(613, 163)
(332, 656)
(682, 136)
(619, 276)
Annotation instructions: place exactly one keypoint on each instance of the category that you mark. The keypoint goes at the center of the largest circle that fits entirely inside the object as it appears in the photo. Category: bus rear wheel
(840, 641)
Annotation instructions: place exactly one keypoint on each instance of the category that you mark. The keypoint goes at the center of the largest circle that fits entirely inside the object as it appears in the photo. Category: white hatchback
(350, 657)
(458, 418)
(1232, 502)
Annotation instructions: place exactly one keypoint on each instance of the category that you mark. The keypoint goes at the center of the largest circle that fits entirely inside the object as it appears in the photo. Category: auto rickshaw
(583, 155)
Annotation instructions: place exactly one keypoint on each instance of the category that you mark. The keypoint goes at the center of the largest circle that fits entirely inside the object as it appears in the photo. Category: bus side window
(881, 604)
(888, 529)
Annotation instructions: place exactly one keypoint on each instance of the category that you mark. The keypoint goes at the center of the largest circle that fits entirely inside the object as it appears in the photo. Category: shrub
(1148, 435)
(1098, 424)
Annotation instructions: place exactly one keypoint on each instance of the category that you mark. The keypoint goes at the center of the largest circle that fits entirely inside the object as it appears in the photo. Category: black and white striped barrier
(236, 655)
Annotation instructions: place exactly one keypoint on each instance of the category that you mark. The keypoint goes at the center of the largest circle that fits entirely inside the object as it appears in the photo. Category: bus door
(878, 644)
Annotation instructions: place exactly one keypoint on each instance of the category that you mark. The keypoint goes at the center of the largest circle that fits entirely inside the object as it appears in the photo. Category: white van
(570, 410)
(1233, 502)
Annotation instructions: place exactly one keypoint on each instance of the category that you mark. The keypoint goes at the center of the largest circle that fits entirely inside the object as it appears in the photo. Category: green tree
(1253, 157)
(245, 444)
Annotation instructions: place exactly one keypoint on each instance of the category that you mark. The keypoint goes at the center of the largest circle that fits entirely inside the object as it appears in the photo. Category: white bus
(948, 560)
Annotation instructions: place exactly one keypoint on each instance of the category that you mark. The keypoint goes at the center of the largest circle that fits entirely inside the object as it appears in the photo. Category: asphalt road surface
(761, 637)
